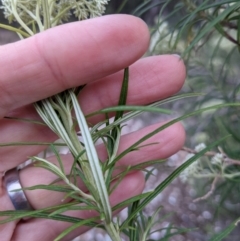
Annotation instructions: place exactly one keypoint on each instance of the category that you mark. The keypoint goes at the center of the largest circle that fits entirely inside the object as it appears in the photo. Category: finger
(67, 56)
(167, 142)
(160, 146)
(151, 79)
(7, 229)
(130, 186)
(21, 131)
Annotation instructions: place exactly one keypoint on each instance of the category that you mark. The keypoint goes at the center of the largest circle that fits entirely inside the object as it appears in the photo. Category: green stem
(84, 164)
(112, 232)
(63, 126)
(16, 30)
(46, 15)
(20, 21)
(66, 117)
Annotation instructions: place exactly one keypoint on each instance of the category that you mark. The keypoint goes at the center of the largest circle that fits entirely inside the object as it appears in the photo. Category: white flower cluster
(59, 10)
(190, 170)
(217, 159)
(194, 168)
(88, 9)
(21, 8)
(200, 147)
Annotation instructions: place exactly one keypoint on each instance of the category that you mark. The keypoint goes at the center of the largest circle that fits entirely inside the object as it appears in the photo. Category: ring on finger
(14, 190)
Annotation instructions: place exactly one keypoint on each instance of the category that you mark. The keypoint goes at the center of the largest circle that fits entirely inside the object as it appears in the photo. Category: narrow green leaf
(115, 132)
(31, 144)
(50, 166)
(142, 108)
(121, 108)
(118, 180)
(223, 234)
(55, 151)
(56, 188)
(16, 215)
(71, 228)
(170, 233)
(25, 120)
(76, 208)
(132, 223)
(92, 158)
(130, 201)
(238, 33)
(142, 8)
(123, 94)
(121, 6)
(150, 224)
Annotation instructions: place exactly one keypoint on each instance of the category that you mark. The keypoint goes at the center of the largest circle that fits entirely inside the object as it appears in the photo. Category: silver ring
(18, 198)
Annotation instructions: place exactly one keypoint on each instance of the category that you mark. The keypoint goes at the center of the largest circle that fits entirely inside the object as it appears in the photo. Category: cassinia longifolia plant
(63, 115)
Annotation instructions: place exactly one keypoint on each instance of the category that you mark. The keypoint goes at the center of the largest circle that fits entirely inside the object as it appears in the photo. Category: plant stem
(46, 16)
(63, 127)
(112, 232)
(84, 164)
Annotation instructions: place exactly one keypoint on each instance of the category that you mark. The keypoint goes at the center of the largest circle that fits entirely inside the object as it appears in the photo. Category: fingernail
(177, 55)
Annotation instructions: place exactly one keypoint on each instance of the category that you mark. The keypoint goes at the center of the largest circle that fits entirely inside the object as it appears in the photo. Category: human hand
(92, 52)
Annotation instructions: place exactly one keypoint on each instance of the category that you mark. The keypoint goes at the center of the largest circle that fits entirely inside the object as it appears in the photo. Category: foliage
(207, 34)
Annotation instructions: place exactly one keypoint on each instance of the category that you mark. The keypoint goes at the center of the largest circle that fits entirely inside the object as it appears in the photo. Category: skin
(92, 52)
